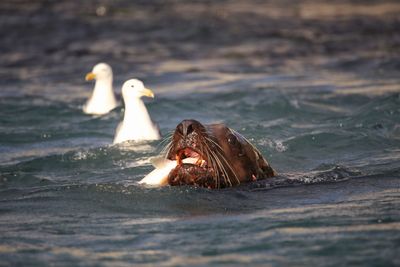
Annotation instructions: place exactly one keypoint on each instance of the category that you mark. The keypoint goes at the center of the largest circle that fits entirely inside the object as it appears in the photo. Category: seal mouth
(194, 157)
(192, 169)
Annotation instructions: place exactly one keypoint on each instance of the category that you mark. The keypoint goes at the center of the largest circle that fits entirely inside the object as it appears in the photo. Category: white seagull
(103, 99)
(137, 124)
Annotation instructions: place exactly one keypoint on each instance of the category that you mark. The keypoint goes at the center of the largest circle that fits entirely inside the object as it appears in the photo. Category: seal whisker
(167, 149)
(211, 156)
(164, 145)
(167, 138)
(215, 143)
(218, 168)
(229, 166)
(222, 168)
(211, 160)
(226, 178)
(225, 160)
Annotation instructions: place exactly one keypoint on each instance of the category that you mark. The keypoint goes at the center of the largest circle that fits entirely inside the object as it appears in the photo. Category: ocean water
(329, 124)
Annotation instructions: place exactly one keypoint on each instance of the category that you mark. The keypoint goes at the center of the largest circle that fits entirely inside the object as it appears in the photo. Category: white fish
(163, 166)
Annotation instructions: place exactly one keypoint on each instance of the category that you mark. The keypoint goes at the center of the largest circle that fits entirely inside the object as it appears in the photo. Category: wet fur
(231, 158)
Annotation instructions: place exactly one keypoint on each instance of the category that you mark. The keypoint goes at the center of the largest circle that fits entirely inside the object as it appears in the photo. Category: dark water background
(314, 85)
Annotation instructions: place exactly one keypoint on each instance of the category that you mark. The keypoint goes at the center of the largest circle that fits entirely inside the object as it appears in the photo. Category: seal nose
(186, 127)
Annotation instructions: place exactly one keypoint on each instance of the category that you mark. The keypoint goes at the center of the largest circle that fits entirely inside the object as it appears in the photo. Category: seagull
(103, 99)
(137, 124)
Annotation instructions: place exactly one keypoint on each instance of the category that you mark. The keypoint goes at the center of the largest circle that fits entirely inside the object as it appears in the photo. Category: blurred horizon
(47, 43)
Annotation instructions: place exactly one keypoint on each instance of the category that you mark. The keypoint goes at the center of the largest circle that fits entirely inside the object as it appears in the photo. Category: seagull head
(101, 71)
(135, 88)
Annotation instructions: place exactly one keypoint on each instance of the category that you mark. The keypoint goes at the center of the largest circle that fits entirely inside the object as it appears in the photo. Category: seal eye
(232, 140)
(132, 86)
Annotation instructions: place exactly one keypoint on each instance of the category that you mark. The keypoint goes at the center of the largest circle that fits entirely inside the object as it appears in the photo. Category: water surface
(316, 91)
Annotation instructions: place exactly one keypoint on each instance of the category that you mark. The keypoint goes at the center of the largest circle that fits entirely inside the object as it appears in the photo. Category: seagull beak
(148, 93)
(90, 76)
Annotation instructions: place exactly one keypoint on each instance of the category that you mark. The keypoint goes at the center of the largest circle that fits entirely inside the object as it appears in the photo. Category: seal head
(224, 158)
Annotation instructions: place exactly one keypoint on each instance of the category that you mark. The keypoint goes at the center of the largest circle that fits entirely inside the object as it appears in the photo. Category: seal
(219, 157)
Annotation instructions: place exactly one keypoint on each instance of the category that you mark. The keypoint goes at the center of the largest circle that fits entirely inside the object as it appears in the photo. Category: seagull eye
(132, 86)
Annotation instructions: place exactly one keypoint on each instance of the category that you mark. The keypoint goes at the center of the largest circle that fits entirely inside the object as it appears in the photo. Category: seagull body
(137, 124)
(103, 99)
